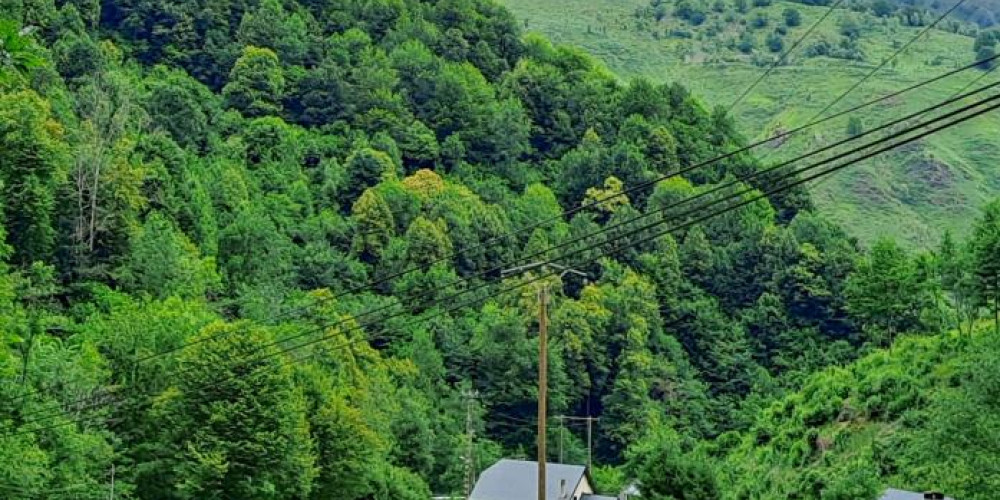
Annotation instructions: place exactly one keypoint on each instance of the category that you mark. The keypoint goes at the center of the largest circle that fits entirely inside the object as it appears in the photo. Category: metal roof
(596, 497)
(894, 494)
(518, 480)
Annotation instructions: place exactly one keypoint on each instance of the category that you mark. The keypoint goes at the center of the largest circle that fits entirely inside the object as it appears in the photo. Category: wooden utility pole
(543, 355)
(470, 469)
(561, 426)
(543, 382)
(590, 435)
(590, 442)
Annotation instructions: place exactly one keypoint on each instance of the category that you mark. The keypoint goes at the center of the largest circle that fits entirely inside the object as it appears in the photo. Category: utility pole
(470, 470)
(561, 426)
(590, 435)
(112, 497)
(590, 443)
(543, 357)
(543, 382)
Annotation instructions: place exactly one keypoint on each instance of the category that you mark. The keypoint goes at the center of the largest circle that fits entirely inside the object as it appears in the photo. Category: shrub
(792, 17)
(760, 20)
(775, 42)
(882, 8)
(854, 126)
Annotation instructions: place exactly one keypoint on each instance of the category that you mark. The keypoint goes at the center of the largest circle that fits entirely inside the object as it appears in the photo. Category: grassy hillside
(911, 194)
(921, 416)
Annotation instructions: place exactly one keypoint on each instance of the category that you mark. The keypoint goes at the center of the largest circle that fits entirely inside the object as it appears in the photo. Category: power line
(976, 80)
(957, 95)
(661, 210)
(885, 61)
(672, 229)
(784, 54)
(565, 213)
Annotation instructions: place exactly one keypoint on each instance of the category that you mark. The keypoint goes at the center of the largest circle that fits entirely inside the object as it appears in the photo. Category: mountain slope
(911, 194)
(921, 416)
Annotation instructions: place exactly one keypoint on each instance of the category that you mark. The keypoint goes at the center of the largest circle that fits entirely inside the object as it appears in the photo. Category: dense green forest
(251, 249)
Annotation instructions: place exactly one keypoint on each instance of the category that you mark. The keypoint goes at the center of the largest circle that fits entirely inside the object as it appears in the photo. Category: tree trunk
(93, 205)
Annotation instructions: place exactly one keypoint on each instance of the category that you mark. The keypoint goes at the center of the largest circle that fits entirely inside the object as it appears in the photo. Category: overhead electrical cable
(584, 206)
(885, 61)
(683, 201)
(782, 57)
(718, 212)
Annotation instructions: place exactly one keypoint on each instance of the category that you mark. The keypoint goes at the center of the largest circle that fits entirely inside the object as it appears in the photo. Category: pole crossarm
(543, 358)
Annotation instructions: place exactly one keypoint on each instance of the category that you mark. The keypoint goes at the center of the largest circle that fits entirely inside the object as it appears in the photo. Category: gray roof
(518, 480)
(596, 497)
(894, 494)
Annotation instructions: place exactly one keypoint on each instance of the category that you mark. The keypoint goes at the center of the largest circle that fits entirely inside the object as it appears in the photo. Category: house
(518, 480)
(894, 494)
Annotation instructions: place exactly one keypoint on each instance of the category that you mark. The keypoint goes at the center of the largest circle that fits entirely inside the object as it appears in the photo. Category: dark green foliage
(746, 44)
(667, 469)
(883, 8)
(233, 175)
(181, 106)
(886, 294)
(759, 20)
(850, 28)
(775, 43)
(690, 12)
(218, 448)
(985, 55)
(985, 245)
(855, 126)
(792, 17)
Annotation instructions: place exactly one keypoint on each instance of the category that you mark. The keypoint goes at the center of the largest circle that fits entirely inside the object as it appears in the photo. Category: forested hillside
(252, 249)
(921, 416)
(719, 48)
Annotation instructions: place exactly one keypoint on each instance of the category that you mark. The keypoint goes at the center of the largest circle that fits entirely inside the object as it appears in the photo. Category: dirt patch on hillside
(930, 181)
(865, 186)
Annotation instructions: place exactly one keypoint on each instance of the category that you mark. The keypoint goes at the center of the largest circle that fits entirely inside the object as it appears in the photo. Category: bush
(882, 8)
(775, 43)
(983, 54)
(761, 3)
(792, 17)
(850, 28)
(745, 45)
(855, 127)
(690, 13)
(760, 20)
(912, 16)
(847, 49)
(659, 12)
(670, 473)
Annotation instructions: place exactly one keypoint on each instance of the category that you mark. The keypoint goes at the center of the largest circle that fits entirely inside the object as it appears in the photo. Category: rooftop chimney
(933, 495)
(562, 489)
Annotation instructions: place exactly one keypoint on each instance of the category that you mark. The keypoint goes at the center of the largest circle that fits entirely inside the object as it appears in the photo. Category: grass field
(911, 194)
